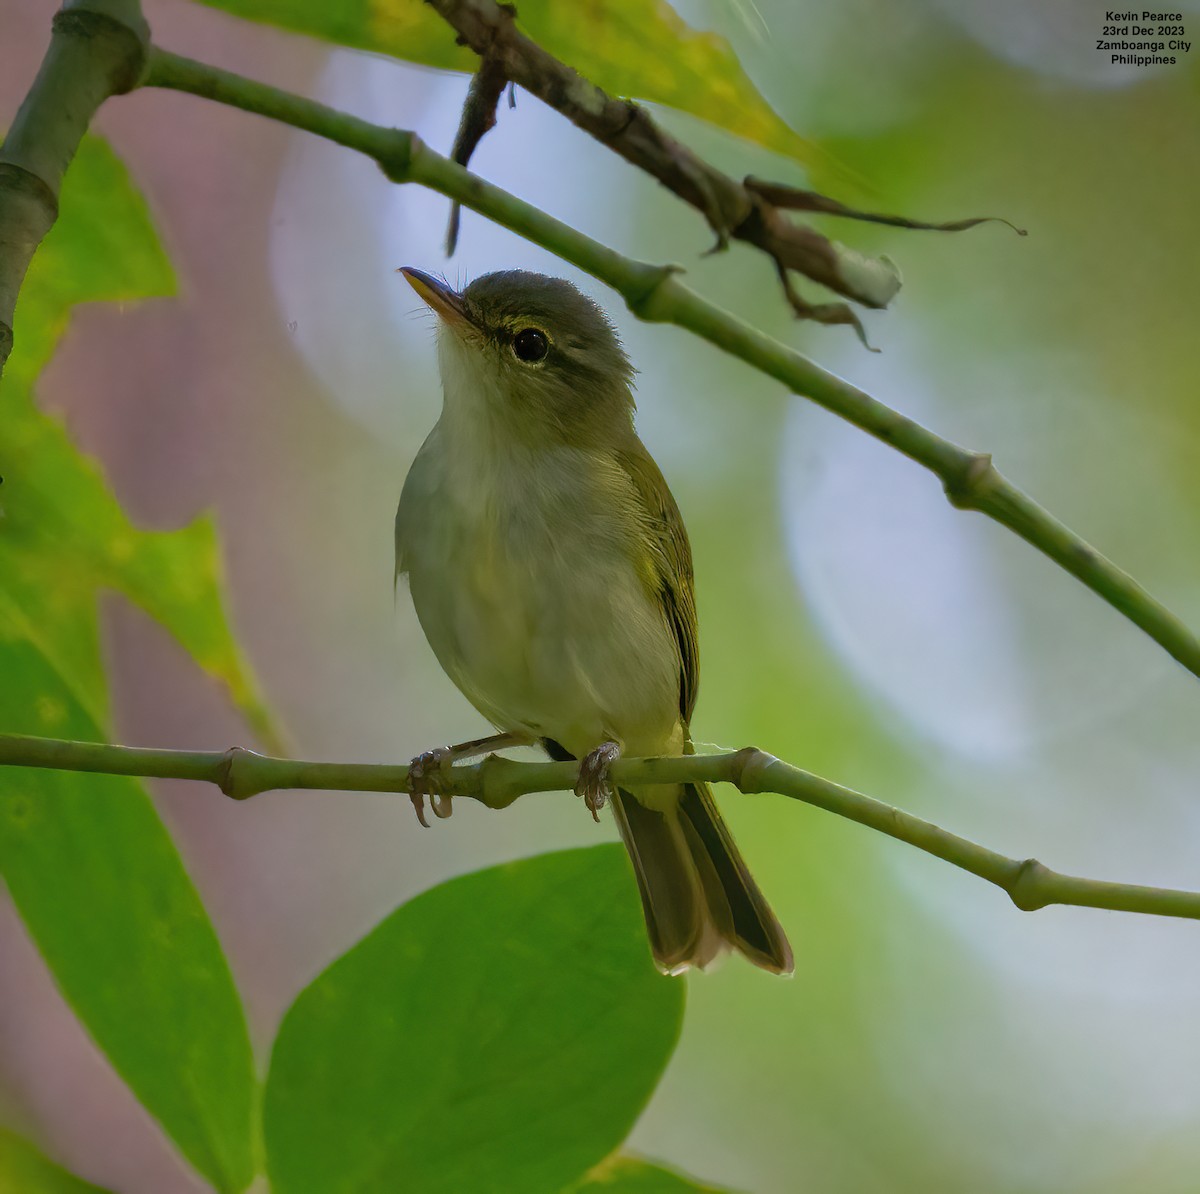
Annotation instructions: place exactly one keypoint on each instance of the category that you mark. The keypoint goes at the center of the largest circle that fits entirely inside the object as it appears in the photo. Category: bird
(551, 573)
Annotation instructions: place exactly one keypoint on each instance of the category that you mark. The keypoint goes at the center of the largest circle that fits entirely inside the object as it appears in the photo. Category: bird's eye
(530, 345)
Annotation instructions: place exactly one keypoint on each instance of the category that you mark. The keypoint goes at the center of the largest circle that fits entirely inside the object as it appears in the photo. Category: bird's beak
(444, 302)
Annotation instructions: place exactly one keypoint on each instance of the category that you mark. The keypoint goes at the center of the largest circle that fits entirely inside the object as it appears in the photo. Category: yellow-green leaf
(621, 1174)
(641, 49)
(24, 1170)
(60, 519)
(89, 865)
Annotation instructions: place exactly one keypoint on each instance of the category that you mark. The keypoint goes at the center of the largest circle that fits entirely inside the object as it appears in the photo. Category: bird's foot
(425, 772)
(425, 778)
(593, 783)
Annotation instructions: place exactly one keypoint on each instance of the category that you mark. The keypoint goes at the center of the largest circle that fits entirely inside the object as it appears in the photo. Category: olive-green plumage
(551, 572)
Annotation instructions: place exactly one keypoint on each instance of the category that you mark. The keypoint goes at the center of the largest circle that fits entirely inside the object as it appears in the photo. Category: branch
(478, 119)
(655, 293)
(751, 211)
(497, 782)
(97, 49)
(797, 199)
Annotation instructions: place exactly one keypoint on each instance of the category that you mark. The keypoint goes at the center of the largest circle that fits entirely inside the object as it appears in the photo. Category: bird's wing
(668, 577)
(419, 500)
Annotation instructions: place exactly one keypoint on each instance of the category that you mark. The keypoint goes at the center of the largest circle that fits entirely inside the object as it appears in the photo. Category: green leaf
(101, 888)
(61, 521)
(90, 866)
(24, 1170)
(636, 48)
(500, 1032)
(631, 1175)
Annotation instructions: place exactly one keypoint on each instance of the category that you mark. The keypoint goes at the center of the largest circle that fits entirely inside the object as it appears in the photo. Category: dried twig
(478, 118)
(752, 211)
(797, 199)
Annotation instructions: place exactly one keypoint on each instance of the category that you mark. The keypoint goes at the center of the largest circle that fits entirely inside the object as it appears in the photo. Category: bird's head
(531, 351)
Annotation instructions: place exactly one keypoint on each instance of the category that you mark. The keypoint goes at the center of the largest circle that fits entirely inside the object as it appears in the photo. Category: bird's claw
(424, 779)
(593, 783)
(418, 803)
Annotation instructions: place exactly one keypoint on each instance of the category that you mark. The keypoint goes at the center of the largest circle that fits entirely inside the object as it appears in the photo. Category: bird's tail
(697, 895)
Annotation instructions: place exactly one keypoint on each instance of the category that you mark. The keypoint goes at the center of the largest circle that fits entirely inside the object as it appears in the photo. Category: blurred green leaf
(60, 520)
(101, 888)
(636, 48)
(500, 1032)
(90, 866)
(631, 1175)
(24, 1170)
(102, 891)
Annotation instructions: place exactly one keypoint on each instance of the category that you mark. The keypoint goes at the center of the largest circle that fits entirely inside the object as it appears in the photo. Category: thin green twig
(655, 292)
(496, 782)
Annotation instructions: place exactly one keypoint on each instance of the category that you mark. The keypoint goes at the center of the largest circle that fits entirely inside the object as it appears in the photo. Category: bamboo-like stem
(655, 292)
(496, 782)
(97, 49)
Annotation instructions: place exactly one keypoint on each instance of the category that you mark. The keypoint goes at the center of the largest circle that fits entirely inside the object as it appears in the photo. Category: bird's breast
(524, 576)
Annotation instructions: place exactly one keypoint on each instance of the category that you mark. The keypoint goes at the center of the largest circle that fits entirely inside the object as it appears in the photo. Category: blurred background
(934, 1038)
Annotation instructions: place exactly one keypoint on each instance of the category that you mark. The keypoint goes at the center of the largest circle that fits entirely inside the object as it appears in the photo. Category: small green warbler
(552, 575)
